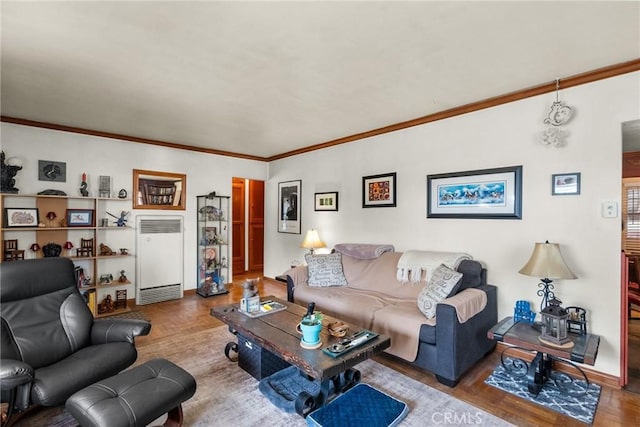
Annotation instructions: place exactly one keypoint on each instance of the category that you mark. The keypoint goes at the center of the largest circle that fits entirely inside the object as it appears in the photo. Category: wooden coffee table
(276, 332)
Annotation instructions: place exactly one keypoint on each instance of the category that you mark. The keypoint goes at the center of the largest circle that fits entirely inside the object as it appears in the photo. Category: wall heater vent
(160, 258)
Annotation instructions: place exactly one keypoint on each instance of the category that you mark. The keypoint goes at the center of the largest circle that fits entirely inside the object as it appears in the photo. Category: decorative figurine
(35, 247)
(123, 277)
(105, 250)
(68, 246)
(122, 221)
(83, 185)
(250, 288)
(51, 216)
(8, 172)
(106, 306)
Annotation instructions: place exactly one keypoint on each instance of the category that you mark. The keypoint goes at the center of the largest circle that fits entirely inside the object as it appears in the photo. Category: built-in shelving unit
(52, 227)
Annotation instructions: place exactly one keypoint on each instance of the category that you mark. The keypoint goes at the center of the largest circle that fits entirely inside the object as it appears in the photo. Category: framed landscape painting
(488, 193)
(289, 193)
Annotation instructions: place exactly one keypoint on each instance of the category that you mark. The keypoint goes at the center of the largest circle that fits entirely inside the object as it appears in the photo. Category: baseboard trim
(597, 377)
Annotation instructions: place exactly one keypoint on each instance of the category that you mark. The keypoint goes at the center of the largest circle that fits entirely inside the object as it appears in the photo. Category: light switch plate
(609, 209)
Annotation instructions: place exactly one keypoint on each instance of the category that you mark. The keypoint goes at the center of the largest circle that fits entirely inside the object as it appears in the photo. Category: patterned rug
(581, 407)
(228, 396)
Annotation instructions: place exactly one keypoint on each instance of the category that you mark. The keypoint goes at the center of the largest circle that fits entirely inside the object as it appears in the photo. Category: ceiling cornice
(566, 82)
(72, 129)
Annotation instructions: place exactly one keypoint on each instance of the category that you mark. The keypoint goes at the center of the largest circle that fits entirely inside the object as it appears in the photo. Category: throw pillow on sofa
(444, 282)
(325, 270)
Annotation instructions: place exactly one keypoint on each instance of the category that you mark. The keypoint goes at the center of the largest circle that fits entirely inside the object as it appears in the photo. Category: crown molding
(567, 82)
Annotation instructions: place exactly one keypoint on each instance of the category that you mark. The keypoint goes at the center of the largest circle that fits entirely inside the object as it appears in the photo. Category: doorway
(247, 200)
(630, 306)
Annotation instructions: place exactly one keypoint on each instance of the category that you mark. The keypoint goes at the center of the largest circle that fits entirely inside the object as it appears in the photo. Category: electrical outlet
(609, 209)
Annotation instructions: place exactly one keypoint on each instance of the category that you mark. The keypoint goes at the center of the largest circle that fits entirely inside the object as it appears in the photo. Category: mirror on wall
(159, 190)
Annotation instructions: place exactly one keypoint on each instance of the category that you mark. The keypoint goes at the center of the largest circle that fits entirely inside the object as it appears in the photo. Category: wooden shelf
(112, 284)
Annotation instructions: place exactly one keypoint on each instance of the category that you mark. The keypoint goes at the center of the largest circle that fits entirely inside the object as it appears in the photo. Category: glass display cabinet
(213, 244)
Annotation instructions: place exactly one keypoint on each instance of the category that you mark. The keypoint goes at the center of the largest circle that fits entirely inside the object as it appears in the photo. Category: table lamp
(312, 241)
(547, 263)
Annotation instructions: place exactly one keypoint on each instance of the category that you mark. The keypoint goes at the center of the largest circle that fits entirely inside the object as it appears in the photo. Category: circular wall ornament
(122, 194)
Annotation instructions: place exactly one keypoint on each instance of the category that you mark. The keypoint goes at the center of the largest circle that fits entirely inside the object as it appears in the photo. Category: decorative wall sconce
(559, 115)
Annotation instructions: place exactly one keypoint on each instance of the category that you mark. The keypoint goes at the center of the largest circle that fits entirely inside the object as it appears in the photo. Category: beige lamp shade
(312, 240)
(546, 262)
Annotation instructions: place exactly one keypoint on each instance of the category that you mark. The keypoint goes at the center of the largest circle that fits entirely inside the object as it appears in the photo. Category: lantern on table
(554, 324)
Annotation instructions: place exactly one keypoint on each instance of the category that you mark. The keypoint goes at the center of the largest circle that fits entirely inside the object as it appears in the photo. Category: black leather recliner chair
(51, 346)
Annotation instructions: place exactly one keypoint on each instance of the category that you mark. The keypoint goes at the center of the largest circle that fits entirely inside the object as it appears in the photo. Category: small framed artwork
(289, 194)
(326, 201)
(379, 191)
(487, 193)
(565, 184)
(20, 217)
(49, 170)
(80, 218)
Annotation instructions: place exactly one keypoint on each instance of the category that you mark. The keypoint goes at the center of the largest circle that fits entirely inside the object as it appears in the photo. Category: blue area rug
(362, 405)
(581, 408)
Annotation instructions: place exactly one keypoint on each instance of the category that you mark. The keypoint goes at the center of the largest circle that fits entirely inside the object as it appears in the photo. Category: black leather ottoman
(135, 397)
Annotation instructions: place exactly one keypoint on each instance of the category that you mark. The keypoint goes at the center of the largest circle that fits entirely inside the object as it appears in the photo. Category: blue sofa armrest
(461, 345)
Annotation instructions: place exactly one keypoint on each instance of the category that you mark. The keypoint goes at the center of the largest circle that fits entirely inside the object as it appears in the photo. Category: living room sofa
(373, 296)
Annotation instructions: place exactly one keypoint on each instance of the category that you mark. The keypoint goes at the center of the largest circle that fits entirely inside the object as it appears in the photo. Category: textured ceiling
(264, 78)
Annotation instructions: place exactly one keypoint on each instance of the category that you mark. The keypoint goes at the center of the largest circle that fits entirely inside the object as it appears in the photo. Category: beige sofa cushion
(378, 275)
(350, 305)
(401, 321)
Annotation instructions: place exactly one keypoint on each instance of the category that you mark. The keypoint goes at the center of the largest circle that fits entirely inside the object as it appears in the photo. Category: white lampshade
(547, 262)
(312, 240)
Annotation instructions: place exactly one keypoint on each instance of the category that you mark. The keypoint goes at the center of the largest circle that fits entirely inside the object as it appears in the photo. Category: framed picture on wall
(326, 201)
(289, 195)
(487, 193)
(49, 170)
(565, 184)
(379, 191)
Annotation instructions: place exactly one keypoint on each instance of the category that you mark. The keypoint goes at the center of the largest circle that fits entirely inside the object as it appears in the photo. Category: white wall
(506, 135)
(102, 156)
(501, 136)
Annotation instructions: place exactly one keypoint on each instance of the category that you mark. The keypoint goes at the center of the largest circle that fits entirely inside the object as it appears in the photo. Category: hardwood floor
(616, 408)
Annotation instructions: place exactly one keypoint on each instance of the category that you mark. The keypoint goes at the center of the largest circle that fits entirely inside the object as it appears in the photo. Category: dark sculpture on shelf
(51, 192)
(8, 172)
(51, 250)
(83, 186)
